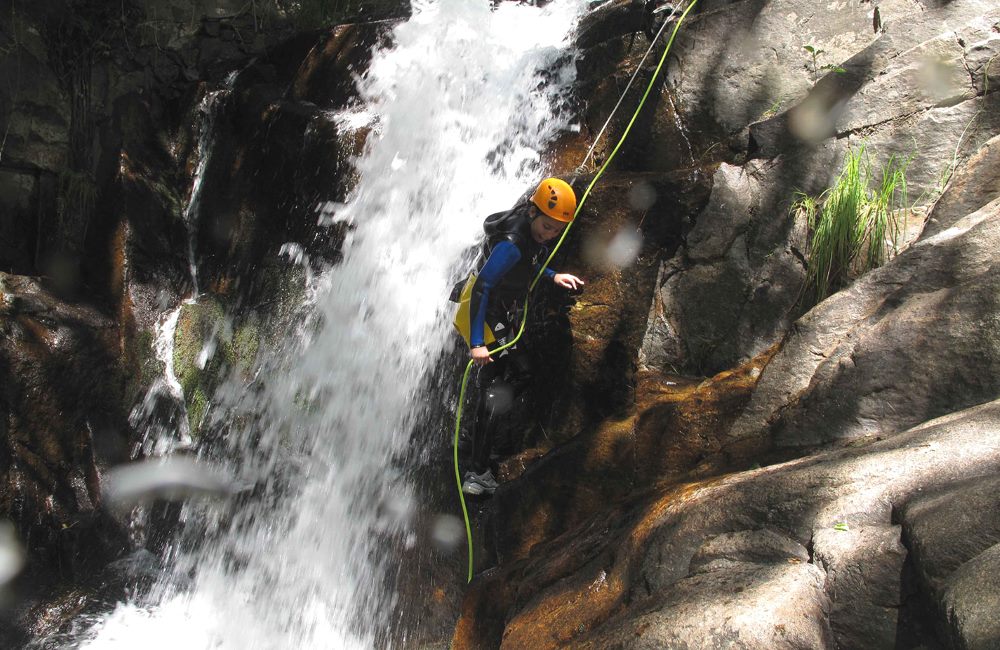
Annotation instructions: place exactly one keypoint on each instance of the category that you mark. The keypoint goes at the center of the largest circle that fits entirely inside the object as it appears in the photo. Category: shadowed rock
(62, 418)
(707, 563)
(909, 341)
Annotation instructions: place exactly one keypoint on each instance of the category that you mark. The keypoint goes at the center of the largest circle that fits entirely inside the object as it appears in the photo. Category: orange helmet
(555, 198)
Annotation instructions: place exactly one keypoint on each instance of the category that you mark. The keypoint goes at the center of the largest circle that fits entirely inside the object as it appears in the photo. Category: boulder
(948, 527)
(723, 561)
(864, 569)
(973, 185)
(971, 600)
(953, 533)
(731, 291)
(911, 340)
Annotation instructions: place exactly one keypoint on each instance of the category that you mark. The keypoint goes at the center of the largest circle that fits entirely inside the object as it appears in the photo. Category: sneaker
(476, 484)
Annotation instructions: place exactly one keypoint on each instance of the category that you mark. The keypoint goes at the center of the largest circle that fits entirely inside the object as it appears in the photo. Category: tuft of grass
(855, 225)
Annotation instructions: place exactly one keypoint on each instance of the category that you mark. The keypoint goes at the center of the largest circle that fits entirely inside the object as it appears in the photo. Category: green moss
(197, 407)
(197, 325)
(149, 366)
(242, 350)
(139, 365)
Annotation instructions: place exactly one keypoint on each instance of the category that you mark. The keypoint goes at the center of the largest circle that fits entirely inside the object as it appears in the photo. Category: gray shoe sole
(475, 489)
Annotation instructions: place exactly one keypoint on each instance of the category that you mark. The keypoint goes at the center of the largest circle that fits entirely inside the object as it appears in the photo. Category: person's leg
(519, 373)
(484, 424)
(489, 405)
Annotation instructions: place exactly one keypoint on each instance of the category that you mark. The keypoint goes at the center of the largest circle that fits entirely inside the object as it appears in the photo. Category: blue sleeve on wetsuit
(503, 258)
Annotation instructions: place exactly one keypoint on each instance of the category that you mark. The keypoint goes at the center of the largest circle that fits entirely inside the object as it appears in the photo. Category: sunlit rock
(813, 120)
(936, 291)
(706, 561)
(970, 187)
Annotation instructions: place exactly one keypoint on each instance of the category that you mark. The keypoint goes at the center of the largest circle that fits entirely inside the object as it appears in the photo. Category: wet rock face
(615, 248)
(71, 371)
(677, 434)
(276, 159)
(869, 536)
(61, 423)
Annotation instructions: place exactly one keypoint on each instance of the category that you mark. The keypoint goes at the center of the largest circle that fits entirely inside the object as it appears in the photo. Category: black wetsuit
(509, 263)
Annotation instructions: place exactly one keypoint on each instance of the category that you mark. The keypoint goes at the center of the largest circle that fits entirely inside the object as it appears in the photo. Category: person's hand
(567, 281)
(480, 355)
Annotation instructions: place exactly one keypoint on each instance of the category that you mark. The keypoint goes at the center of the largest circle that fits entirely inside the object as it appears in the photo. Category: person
(514, 250)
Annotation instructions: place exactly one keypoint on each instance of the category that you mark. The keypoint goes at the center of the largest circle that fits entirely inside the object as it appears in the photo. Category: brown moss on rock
(676, 432)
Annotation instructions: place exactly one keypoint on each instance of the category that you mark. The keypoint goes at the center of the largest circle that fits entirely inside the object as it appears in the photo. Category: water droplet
(172, 478)
(642, 196)
(11, 553)
(624, 247)
(500, 398)
(396, 510)
(813, 120)
(447, 532)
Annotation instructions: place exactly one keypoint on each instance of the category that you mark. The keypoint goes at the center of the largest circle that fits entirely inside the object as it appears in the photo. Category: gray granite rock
(743, 605)
(948, 527)
(763, 546)
(720, 563)
(911, 340)
(971, 601)
(973, 185)
(864, 567)
(730, 293)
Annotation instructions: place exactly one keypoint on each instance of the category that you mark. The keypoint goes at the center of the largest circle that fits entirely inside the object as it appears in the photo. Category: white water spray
(461, 114)
(208, 107)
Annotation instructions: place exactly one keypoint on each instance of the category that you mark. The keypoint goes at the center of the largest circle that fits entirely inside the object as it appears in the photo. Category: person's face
(544, 228)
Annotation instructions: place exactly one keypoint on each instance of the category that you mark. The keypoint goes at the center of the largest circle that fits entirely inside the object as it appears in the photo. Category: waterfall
(459, 108)
(208, 108)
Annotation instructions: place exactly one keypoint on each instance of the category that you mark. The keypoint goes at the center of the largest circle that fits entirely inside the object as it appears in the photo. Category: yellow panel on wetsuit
(463, 317)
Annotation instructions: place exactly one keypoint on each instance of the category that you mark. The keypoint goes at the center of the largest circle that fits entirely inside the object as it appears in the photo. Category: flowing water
(460, 107)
